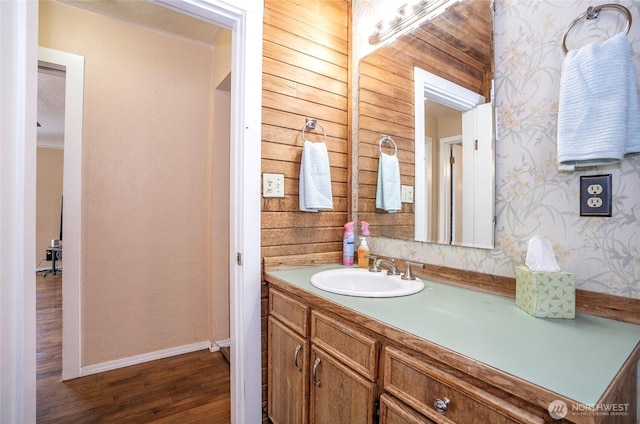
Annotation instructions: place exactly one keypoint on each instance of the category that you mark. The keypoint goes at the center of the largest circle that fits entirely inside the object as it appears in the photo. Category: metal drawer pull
(315, 368)
(295, 357)
(441, 405)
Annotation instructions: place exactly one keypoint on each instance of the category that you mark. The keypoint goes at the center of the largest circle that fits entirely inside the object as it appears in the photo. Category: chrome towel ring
(594, 13)
(311, 124)
(385, 139)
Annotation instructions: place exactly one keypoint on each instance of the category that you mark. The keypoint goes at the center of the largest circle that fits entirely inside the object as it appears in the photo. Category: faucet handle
(408, 275)
(373, 265)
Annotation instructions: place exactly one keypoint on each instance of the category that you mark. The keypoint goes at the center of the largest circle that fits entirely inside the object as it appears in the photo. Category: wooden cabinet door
(287, 374)
(338, 394)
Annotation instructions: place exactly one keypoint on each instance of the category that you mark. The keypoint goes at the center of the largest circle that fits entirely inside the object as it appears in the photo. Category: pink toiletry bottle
(364, 228)
(348, 244)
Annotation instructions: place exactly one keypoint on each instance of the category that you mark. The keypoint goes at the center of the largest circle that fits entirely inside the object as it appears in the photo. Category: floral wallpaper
(532, 196)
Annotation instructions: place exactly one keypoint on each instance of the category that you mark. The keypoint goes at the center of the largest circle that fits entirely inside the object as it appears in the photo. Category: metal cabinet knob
(441, 405)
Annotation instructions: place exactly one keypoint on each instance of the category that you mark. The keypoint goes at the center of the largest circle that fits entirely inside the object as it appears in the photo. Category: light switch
(272, 185)
(407, 194)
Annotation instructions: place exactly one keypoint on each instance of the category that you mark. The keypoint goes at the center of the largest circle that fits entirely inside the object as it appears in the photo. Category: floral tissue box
(546, 294)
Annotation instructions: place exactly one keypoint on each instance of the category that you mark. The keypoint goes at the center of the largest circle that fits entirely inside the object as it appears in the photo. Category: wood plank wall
(386, 103)
(305, 75)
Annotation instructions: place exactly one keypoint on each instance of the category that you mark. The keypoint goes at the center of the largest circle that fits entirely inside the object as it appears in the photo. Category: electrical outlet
(594, 202)
(595, 195)
(594, 189)
(407, 194)
(272, 185)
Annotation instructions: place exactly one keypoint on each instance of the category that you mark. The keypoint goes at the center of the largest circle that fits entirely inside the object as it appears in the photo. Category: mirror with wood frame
(456, 46)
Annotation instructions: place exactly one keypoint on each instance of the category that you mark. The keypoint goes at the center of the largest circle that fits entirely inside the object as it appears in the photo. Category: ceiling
(150, 15)
(465, 31)
(138, 12)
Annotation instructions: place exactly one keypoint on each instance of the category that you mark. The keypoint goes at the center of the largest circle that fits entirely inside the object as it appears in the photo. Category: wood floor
(191, 388)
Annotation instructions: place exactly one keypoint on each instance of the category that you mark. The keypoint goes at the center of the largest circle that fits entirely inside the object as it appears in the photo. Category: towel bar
(594, 13)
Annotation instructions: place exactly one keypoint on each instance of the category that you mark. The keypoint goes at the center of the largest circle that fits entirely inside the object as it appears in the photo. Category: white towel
(315, 178)
(388, 189)
(599, 114)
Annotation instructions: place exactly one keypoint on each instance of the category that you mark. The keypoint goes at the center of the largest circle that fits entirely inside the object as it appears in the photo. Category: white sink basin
(360, 282)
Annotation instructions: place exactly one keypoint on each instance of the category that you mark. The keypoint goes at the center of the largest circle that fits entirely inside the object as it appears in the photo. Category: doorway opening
(143, 177)
(50, 162)
(245, 20)
(220, 216)
(61, 110)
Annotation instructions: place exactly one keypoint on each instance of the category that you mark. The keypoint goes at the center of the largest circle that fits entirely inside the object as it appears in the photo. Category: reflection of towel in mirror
(598, 111)
(388, 189)
(315, 178)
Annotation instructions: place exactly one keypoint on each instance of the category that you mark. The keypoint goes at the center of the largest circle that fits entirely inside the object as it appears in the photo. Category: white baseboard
(215, 346)
(145, 357)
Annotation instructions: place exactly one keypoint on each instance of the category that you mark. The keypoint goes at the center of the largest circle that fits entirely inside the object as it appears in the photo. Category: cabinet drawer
(420, 384)
(394, 412)
(353, 348)
(289, 311)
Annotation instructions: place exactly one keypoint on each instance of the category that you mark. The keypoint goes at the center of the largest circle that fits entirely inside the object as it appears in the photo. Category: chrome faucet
(372, 262)
(390, 266)
(408, 275)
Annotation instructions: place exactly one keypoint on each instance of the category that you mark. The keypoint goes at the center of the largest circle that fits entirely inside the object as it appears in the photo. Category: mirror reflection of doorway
(450, 170)
(444, 123)
(444, 109)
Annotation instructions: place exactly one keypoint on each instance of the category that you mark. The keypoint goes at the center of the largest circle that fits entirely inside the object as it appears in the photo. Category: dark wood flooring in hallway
(190, 388)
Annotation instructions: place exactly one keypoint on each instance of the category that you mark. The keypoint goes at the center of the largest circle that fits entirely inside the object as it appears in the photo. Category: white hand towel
(388, 188)
(599, 114)
(315, 178)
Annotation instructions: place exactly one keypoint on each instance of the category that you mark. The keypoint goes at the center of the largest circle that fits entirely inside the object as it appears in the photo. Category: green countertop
(575, 358)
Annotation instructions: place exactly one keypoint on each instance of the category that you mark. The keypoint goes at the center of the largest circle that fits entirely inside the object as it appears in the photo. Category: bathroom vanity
(447, 354)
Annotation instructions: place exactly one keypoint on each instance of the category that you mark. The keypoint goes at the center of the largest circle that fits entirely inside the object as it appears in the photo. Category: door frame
(73, 65)
(18, 103)
(19, 54)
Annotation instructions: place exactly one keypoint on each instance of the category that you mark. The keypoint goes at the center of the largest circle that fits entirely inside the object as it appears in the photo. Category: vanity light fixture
(409, 15)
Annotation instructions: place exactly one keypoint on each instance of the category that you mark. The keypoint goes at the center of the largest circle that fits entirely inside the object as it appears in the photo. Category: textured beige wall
(450, 124)
(48, 195)
(146, 245)
(222, 58)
